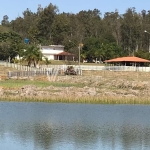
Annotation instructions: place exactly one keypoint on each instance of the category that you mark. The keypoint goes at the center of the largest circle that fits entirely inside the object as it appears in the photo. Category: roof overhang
(64, 54)
(128, 59)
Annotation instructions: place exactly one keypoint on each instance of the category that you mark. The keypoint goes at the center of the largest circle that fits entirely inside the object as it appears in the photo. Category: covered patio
(127, 64)
(64, 56)
(128, 61)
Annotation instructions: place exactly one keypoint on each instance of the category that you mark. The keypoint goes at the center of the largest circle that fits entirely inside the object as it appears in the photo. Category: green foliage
(103, 38)
(45, 21)
(143, 54)
(47, 62)
(9, 41)
(60, 28)
(14, 60)
(32, 54)
(93, 48)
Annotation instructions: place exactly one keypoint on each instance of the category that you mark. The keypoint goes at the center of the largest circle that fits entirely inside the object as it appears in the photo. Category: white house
(55, 52)
(51, 51)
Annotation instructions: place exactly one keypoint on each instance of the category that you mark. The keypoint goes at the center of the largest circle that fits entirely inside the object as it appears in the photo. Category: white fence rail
(82, 67)
(127, 68)
(44, 69)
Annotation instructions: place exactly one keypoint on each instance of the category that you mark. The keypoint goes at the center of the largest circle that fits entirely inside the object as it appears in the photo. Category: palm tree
(32, 54)
(100, 54)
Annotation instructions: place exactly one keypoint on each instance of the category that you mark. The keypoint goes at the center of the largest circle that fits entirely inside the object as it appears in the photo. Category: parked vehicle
(70, 71)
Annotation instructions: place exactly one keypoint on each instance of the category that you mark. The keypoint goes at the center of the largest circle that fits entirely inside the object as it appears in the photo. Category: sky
(14, 8)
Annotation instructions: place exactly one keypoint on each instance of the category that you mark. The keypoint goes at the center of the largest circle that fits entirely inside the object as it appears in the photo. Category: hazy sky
(14, 8)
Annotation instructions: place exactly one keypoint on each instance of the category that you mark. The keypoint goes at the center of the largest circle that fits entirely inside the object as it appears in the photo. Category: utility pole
(148, 40)
(79, 47)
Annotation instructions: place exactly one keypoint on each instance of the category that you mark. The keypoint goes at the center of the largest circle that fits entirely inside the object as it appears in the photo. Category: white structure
(52, 51)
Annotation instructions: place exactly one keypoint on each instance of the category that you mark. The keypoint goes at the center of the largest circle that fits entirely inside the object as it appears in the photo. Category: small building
(128, 61)
(56, 52)
(52, 50)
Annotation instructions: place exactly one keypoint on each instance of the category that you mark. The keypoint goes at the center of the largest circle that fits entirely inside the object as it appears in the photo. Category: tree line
(103, 37)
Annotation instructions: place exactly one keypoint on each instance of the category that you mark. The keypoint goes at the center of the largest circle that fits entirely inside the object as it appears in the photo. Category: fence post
(80, 71)
(9, 74)
(34, 72)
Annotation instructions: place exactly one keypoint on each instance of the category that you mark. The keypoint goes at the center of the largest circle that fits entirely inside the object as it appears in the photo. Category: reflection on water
(42, 126)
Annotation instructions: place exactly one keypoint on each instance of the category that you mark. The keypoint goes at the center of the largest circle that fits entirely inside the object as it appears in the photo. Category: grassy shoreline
(94, 87)
(104, 100)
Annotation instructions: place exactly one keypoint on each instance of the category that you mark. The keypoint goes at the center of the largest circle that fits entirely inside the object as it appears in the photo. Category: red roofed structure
(130, 63)
(65, 56)
(128, 59)
(56, 52)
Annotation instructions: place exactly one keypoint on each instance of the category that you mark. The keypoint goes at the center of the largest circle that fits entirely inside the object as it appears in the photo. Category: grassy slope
(106, 81)
(39, 82)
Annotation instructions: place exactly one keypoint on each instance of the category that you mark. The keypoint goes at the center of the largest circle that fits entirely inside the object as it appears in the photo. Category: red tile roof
(65, 54)
(128, 59)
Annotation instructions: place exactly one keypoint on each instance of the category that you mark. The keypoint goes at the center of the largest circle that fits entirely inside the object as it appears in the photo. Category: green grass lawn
(21, 83)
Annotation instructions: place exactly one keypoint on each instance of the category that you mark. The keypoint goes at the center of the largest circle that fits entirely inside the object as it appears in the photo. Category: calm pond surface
(46, 126)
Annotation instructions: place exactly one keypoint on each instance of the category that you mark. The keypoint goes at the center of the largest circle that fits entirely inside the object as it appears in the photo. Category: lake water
(45, 126)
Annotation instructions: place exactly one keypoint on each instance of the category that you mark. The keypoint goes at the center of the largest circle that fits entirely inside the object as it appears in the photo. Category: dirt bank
(94, 85)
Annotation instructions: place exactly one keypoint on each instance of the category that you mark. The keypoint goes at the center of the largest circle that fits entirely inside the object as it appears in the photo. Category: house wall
(50, 57)
(51, 51)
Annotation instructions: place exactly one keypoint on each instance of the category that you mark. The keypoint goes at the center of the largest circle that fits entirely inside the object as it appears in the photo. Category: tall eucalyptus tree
(130, 31)
(45, 21)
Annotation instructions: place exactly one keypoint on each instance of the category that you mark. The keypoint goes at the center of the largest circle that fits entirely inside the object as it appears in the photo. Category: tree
(5, 21)
(8, 45)
(130, 31)
(94, 49)
(39, 9)
(88, 24)
(60, 28)
(44, 24)
(26, 26)
(32, 54)
(112, 23)
(47, 26)
(90, 49)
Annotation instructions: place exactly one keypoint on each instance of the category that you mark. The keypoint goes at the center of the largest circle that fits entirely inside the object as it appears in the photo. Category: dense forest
(103, 37)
